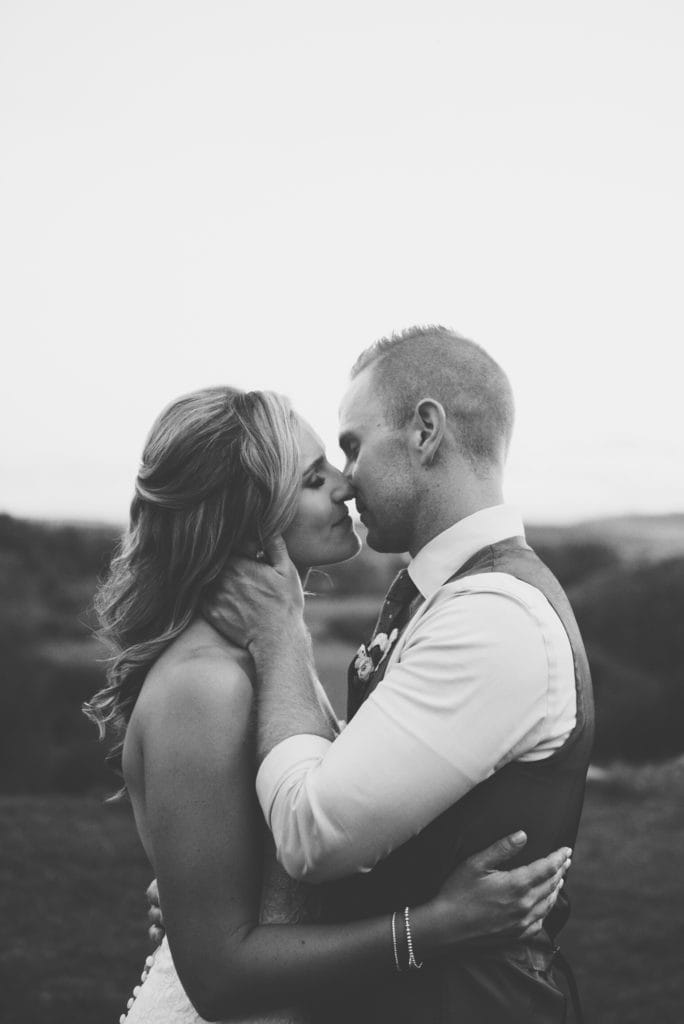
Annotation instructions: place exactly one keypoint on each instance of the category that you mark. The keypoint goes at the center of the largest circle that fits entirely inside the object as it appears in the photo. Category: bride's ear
(276, 553)
(248, 549)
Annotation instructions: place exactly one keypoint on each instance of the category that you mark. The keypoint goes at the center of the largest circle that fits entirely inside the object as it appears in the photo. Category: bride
(224, 472)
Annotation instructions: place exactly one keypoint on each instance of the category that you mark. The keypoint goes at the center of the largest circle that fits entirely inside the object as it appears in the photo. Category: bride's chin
(335, 555)
(351, 550)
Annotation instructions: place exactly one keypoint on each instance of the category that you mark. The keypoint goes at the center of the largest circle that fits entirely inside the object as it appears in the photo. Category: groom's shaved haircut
(435, 362)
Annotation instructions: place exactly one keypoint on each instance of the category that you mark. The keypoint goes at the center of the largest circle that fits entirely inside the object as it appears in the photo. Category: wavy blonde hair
(220, 471)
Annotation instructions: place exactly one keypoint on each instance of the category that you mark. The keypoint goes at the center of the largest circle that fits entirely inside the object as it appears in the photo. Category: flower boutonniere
(368, 658)
(363, 664)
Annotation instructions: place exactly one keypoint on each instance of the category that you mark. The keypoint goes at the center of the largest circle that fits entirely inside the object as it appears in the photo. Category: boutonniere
(363, 664)
(368, 658)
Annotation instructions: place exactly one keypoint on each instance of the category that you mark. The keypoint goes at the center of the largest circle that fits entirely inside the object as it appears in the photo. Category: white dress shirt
(482, 675)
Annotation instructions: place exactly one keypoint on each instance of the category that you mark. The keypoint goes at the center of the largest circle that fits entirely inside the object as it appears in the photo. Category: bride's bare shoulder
(200, 669)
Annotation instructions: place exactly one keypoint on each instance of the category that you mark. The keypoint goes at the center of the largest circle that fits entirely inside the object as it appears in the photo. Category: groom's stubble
(381, 475)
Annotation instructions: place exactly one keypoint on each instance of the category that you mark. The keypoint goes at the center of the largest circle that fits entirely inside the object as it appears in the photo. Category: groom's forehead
(356, 402)
(361, 412)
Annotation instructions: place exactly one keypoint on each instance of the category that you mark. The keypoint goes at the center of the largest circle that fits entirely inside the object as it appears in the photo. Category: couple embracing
(407, 867)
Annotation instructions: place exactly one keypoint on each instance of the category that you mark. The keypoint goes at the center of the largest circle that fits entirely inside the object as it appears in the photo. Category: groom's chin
(382, 544)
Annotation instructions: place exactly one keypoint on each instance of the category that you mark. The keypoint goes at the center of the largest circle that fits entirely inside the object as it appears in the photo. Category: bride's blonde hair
(220, 472)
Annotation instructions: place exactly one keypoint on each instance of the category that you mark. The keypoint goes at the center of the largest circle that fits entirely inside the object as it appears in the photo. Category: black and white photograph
(341, 512)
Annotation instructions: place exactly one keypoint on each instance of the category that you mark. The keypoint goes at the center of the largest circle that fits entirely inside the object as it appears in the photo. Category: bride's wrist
(430, 928)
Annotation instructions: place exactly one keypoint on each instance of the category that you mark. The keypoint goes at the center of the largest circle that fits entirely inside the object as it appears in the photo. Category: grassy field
(627, 933)
(72, 881)
(72, 934)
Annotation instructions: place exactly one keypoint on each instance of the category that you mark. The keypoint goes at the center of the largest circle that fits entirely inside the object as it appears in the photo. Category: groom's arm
(469, 692)
(290, 699)
(259, 605)
(290, 703)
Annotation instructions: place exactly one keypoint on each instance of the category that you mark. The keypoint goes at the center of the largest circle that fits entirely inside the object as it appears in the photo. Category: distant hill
(638, 610)
(48, 571)
(633, 538)
(574, 552)
(48, 657)
(624, 576)
(625, 579)
(632, 621)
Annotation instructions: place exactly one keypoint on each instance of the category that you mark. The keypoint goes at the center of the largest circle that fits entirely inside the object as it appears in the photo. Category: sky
(251, 193)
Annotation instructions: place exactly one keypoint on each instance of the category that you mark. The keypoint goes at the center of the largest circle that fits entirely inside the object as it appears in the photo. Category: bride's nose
(342, 490)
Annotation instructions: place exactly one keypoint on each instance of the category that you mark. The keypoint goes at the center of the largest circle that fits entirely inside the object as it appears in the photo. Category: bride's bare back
(189, 768)
(198, 658)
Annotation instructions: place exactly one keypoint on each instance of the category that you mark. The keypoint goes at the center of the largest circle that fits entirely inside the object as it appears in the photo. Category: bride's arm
(207, 836)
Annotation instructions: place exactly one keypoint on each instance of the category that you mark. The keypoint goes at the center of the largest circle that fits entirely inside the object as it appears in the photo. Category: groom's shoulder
(503, 587)
(495, 603)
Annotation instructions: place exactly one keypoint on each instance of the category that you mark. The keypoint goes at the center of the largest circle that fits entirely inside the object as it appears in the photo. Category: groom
(470, 708)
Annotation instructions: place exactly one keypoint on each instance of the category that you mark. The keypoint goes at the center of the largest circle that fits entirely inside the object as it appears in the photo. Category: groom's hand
(257, 601)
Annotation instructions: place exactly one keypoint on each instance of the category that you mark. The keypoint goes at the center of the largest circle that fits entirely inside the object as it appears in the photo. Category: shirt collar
(448, 551)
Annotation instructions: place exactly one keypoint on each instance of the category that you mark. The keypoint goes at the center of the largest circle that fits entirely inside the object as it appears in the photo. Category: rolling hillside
(625, 578)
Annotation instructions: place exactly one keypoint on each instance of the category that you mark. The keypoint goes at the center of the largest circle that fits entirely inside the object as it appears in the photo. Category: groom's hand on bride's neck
(257, 601)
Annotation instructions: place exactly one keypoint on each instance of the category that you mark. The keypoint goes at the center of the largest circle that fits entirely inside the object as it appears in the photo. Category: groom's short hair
(435, 362)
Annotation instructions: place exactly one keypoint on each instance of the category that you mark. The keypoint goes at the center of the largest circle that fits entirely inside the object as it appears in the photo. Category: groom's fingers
(277, 555)
(238, 565)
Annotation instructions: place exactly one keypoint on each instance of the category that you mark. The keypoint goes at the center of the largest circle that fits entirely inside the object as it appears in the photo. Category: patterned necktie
(394, 614)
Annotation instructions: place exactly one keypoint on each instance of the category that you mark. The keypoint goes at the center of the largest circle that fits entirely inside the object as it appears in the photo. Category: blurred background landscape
(74, 875)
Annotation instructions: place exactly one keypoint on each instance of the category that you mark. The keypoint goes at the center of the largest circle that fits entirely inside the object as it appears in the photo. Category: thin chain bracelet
(394, 942)
(413, 966)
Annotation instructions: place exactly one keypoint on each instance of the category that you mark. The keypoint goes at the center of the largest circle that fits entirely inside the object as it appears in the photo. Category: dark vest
(542, 797)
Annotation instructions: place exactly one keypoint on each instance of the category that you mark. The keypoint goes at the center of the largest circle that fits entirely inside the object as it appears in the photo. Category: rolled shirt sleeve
(467, 691)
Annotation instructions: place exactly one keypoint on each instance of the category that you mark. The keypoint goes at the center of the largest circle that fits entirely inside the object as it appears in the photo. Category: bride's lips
(344, 521)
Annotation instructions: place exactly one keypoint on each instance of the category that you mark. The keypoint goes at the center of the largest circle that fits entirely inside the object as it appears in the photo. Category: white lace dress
(160, 998)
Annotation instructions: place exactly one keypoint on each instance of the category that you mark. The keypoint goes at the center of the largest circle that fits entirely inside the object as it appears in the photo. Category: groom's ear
(427, 429)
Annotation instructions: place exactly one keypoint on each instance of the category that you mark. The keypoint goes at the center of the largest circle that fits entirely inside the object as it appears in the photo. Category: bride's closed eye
(314, 481)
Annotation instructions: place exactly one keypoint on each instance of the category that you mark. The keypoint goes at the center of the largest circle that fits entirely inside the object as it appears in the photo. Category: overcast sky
(249, 193)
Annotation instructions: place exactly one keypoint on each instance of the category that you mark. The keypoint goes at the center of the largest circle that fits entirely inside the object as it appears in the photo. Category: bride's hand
(257, 599)
(481, 900)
